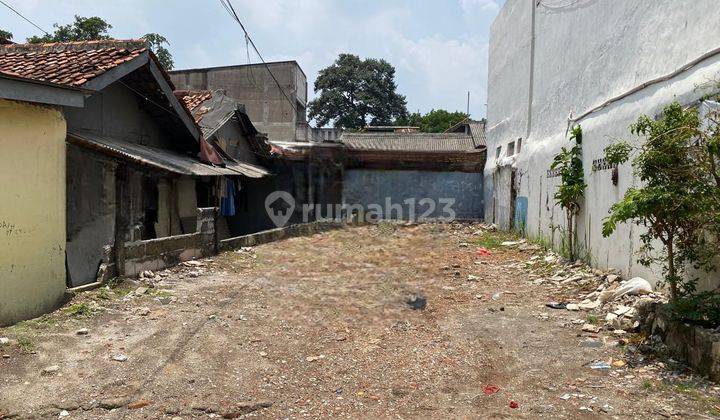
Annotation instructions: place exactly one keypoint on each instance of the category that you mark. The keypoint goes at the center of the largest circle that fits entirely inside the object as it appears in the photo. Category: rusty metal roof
(162, 159)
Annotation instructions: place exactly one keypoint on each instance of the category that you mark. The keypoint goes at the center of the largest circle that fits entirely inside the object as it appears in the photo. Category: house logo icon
(279, 206)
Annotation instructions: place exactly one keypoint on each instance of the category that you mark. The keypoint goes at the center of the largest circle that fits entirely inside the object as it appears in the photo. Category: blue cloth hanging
(227, 201)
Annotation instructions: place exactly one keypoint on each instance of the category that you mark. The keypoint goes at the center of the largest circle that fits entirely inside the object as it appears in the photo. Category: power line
(20, 14)
(229, 8)
(227, 4)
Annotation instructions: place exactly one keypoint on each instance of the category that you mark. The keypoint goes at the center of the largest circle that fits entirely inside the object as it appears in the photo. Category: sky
(439, 47)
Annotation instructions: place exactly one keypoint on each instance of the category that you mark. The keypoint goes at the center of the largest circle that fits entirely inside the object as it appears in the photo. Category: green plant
(26, 344)
(104, 294)
(572, 184)
(700, 308)
(592, 319)
(679, 198)
(79, 309)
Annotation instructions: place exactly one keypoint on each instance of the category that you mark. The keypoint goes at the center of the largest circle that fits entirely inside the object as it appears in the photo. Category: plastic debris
(556, 305)
(513, 404)
(490, 389)
(483, 252)
(634, 286)
(600, 366)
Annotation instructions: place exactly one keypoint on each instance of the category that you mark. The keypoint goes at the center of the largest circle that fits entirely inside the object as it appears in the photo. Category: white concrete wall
(585, 54)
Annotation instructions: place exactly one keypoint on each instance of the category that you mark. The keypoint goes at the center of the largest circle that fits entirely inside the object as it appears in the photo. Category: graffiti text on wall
(602, 165)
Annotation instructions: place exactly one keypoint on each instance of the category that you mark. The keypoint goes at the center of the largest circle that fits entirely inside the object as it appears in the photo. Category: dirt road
(320, 326)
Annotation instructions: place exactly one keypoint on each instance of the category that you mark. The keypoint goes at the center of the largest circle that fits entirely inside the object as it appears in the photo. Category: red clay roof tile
(68, 63)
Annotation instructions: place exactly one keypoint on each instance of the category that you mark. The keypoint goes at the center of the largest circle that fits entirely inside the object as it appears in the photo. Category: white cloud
(479, 5)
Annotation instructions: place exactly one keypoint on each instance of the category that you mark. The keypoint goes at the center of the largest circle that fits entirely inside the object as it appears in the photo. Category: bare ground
(319, 327)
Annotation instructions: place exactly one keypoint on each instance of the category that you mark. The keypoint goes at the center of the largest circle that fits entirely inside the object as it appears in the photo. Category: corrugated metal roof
(409, 142)
(162, 159)
(476, 130)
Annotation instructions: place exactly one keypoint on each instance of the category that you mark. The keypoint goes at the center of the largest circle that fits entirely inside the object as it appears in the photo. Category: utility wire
(147, 98)
(20, 14)
(227, 5)
(229, 8)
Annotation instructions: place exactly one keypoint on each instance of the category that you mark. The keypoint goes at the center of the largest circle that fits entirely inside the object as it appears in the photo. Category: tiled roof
(193, 99)
(67, 63)
(409, 142)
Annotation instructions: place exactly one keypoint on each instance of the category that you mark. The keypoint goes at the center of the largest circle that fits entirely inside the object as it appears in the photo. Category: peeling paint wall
(585, 54)
(32, 210)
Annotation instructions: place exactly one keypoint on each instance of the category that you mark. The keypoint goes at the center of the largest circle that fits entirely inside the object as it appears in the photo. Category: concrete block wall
(158, 254)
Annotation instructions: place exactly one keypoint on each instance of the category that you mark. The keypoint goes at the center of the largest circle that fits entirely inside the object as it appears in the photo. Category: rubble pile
(604, 295)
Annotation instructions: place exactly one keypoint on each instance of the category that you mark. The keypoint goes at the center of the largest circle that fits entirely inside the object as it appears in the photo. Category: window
(511, 148)
(518, 146)
(498, 152)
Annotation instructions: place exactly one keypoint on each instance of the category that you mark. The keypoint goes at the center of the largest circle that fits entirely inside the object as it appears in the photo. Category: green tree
(83, 29)
(157, 44)
(355, 92)
(5, 35)
(572, 185)
(679, 196)
(435, 121)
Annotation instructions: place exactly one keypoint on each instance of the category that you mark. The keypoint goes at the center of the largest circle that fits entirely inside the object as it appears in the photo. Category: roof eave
(29, 90)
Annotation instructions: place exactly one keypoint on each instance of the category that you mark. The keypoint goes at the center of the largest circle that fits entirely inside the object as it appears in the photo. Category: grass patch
(647, 385)
(160, 293)
(26, 344)
(104, 294)
(494, 240)
(79, 309)
(592, 319)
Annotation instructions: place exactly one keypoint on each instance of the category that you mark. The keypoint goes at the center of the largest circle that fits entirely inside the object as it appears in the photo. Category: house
(280, 113)
(553, 66)
(228, 128)
(32, 200)
(133, 158)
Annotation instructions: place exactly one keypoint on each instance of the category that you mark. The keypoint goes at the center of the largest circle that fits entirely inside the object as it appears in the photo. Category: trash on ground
(490, 389)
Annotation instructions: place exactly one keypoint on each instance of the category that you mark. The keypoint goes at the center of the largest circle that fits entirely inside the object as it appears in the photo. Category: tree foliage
(356, 92)
(5, 35)
(572, 185)
(83, 29)
(435, 121)
(679, 196)
(157, 44)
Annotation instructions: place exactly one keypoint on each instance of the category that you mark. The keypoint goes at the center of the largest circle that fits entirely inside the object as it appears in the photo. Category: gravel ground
(321, 326)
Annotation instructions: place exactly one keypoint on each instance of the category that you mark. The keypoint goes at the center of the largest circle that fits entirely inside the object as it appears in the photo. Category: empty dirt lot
(320, 326)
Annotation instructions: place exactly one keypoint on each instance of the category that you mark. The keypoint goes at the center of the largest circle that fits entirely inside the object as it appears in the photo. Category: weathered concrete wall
(32, 210)
(277, 234)
(157, 254)
(231, 138)
(585, 54)
(366, 187)
(90, 212)
(117, 112)
(253, 86)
